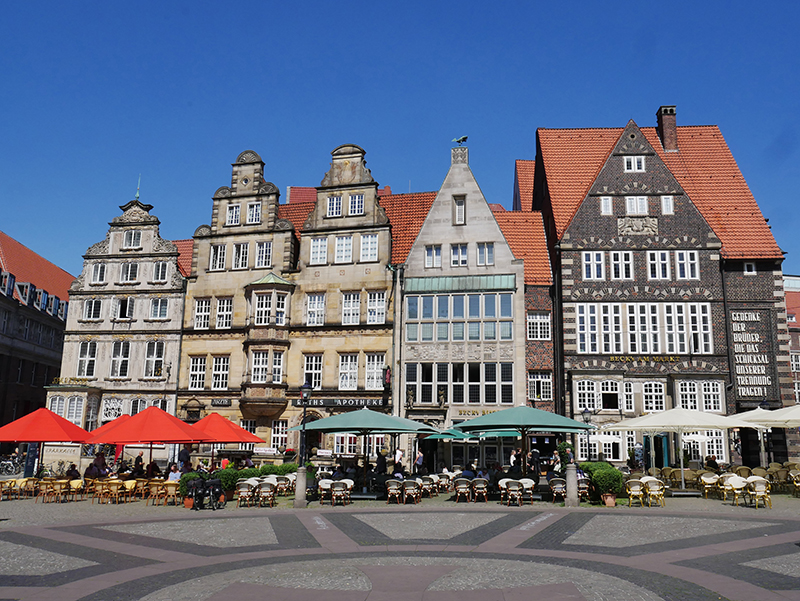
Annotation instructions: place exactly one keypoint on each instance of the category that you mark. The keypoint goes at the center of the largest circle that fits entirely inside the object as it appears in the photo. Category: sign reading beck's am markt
(753, 371)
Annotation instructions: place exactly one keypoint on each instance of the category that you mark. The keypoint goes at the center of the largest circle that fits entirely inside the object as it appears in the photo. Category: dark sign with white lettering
(340, 402)
(220, 402)
(753, 355)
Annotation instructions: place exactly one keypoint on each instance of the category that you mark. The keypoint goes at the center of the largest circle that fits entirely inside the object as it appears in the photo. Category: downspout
(558, 337)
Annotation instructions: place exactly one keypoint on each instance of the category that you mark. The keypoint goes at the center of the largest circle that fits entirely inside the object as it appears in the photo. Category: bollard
(300, 501)
(572, 499)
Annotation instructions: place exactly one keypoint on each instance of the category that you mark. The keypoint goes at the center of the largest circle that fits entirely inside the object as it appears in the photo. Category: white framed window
(611, 328)
(250, 426)
(254, 212)
(120, 358)
(277, 367)
(197, 373)
(606, 205)
(241, 254)
(794, 359)
(433, 255)
(344, 249)
(675, 328)
(374, 372)
(351, 308)
(319, 251)
(348, 372)
(459, 210)
(700, 328)
(92, 308)
(687, 395)
(137, 406)
(634, 164)
(202, 313)
(540, 386)
(653, 393)
(621, 265)
(667, 205)
(458, 255)
(628, 395)
(128, 272)
(485, 253)
(99, 273)
(712, 396)
(279, 437)
(749, 268)
(658, 264)
(87, 356)
(315, 309)
(376, 307)
(219, 373)
(797, 392)
(125, 308)
(224, 313)
(263, 308)
(587, 328)
(686, 265)
(132, 239)
(644, 332)
(587, 395)
(261, 371)
(369, 248)
(70, 408)
(356, 204)
(636, 205)
(345, 444)
(159, 308)
(594, 267)
(334, 206)
(263, 254)
(280, 309)
(160, 271)
(154, 360)
(313, 370)
(538, 325)
(375, 442)
(232, 217)
(217, 259)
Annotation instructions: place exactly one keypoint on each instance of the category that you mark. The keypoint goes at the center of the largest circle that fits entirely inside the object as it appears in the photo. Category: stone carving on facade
(135, 212)
(474, 352)
(203, 230)
(163, 246)
(459, 155)
(268, 188)
(222, 192)
(347, 167)
(283, 225)
(506, 351)
(78, 283)
(248, 156)
(637, 226)
(100, 248)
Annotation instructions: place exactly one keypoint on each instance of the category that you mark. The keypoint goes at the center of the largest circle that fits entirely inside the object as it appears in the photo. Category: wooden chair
(480, 488)
(558, 486)
(155, 492)
(114, 489)
(7, 488)
(635, 490)
(413, 489)
(514, 492)
(394, 490)
(172, 491)
(463, 488)
(76, 487)
(140, 490)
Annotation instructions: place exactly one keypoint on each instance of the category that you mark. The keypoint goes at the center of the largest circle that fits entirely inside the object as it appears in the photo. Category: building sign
(312, 402)
(751, 353)
(476, 411)
(220, 402)
(654, 358)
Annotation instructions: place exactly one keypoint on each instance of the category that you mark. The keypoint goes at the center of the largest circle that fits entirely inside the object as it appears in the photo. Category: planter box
(609, 499)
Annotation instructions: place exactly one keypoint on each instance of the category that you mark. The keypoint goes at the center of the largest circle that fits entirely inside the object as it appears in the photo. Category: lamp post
(763, 435)
(301, 484)
(587, 419)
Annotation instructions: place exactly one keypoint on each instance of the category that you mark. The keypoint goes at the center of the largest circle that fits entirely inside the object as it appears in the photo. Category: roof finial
(138, 185)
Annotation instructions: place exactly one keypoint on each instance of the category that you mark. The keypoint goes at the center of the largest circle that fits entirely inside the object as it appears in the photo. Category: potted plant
(228, 477)
(607, 481)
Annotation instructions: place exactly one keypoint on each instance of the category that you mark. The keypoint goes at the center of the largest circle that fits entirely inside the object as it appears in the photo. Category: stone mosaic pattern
(222, 533)
(28, 561)
(787, 565)
(431, 526)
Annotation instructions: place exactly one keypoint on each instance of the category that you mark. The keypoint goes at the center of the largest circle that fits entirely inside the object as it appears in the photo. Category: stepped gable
(524, 233)
(27, 266)
(703, 165)
(406, 213)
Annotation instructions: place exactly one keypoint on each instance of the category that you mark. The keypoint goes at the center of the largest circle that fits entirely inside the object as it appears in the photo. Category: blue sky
(93, 94)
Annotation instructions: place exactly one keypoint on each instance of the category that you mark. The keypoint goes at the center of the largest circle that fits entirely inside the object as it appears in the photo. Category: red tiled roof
(704, 167)
(27, 266)
(496, 208)
(523, 182)
(524, 232)
(793, 303)
(301, 194)
(297, 212)
(185, 249)
(406, 213)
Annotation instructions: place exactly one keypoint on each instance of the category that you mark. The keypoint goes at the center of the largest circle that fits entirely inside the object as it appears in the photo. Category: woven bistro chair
(781, 479)
(394, 490)
(463, 488)
(514, 492)
(350, 484)
(655, 492)
(435, 479)
(708, 483)
(758, 488)
(558, 486)
(283, 485)
(528, 486)
(445, 483)
(635, 490)
(480, 488)
(114, 489)
(743, 471)
(413, 489)
(245, 493)
(654, 471)
(172, 491)
(429, 486)
(737, 487)
(501, 486)
(339, 492)
(760, 471)
(723, 479)
(265, 493)
(155, 492)
(324, 490)
(7, 488)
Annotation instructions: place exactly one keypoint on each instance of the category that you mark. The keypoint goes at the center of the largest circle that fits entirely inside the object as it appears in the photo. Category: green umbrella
(524, 420)
(447, 435)
(499, 434)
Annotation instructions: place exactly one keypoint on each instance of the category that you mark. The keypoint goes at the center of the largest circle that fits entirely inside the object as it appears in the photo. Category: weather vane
(460, 140)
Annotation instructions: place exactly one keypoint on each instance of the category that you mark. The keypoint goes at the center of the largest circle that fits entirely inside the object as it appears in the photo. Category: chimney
(667, 128)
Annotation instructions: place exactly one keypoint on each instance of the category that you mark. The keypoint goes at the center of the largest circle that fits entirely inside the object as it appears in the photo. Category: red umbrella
(224, 430)
(149, 426)
(42, 426)
(112, 424)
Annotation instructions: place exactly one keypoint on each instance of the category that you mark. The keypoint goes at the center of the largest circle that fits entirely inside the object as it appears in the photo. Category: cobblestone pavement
(692, 549)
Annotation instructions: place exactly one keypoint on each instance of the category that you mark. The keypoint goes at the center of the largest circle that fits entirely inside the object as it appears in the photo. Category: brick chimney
(667, 128)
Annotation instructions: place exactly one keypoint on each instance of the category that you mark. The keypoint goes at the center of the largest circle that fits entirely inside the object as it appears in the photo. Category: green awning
(461, 283)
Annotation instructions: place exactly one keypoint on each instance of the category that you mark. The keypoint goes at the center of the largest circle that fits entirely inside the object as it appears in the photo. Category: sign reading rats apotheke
(754, 370)
(312, 402)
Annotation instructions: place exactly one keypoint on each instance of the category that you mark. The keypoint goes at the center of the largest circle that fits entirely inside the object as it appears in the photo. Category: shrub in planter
(186, 478)
(228, 478)
(605, 478)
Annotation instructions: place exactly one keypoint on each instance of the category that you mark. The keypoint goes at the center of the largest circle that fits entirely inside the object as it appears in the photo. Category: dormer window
(634, 164)
(132, 239)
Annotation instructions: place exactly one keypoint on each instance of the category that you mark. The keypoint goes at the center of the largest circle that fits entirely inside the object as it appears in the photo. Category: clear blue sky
(93, 94)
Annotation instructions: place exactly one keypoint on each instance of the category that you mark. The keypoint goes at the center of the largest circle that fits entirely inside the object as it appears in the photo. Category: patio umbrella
(679, 420)
(524, 420)
(451, 434)
(114, 422)
(365, 422)
(788, 417)
(223, 431)
(150, 426)
(42, 426)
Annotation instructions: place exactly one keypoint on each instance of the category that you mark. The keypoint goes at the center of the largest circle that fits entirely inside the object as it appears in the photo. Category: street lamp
(765, 442)
(301, 483)
(587, 419)
(305, 395)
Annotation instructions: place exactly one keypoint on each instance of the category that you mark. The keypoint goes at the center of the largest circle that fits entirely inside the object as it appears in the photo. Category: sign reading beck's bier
(751, 353)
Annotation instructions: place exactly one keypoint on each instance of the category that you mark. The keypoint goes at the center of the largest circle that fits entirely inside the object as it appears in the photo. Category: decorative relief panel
(637, 226)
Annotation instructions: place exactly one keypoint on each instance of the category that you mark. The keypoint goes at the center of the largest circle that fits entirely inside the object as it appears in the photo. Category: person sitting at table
(339, 473)
(91, 471)
(469, 472)
(153, 471)
(187, 467)
(397, 472)
(711, 463)
(174, 473)
(73, 473)
(483, 473)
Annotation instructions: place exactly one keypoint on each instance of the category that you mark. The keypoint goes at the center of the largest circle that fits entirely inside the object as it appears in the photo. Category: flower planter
(609, 499)
(188, 502)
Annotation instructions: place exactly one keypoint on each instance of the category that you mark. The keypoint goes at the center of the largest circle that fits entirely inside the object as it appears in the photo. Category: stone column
(572, 499)
(300, 489)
